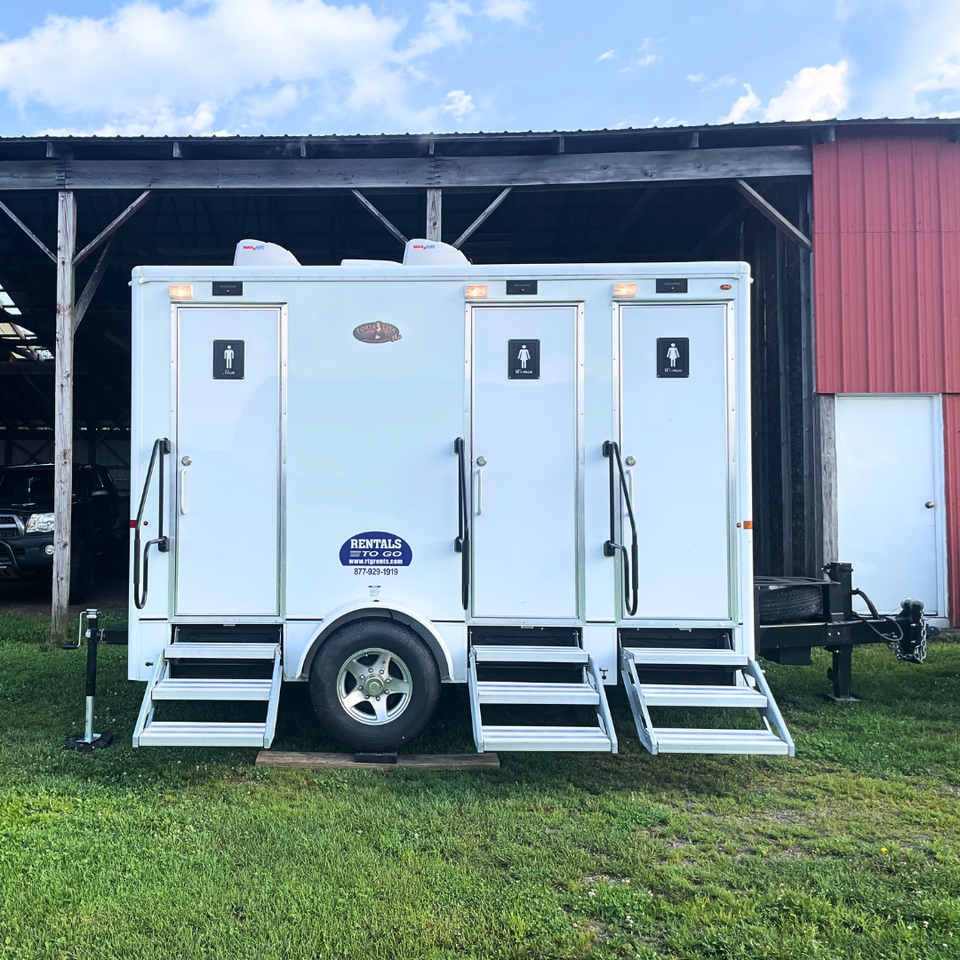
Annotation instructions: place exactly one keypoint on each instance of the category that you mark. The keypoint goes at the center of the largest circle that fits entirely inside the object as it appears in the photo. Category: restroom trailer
(378, 478)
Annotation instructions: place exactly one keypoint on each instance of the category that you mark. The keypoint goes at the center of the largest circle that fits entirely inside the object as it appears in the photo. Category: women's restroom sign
(227, 359)
(523, 359)
(673, 357)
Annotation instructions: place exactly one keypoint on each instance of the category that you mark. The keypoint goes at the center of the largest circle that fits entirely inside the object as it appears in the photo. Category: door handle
(481, 463)
(630, 462)
(186, 461)
(929, 504)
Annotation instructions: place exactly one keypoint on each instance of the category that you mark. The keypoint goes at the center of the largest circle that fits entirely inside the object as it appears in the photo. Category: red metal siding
(886, 262)
(887, 281)
(951, 433)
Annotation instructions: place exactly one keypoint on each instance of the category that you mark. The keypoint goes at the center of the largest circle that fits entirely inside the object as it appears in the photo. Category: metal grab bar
(462, 543)
(161, 446)
(631, 564)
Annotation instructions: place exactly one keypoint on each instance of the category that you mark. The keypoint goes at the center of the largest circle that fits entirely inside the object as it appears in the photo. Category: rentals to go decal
(376, 549)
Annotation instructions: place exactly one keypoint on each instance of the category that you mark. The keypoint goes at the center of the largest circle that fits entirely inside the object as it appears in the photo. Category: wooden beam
(91, 287)
(434, 208)
(112, 227)
(28, 231)
(719, 230)
(377, 215)
(631, 218)
(459, 242)
(414, 172)
(63, 430)
(773, 215)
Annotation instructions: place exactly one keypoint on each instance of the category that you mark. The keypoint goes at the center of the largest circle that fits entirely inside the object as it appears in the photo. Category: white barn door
(890, 498)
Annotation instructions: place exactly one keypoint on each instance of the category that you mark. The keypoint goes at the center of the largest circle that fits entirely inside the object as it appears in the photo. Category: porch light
(181, 291)
(624, 291)
(475, 291)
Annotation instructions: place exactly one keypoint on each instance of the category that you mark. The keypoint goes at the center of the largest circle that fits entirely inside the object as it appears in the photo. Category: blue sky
(315, 67)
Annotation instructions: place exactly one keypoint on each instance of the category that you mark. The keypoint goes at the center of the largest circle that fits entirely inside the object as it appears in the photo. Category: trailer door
(525, 462)
(675, 397)
(228, 462)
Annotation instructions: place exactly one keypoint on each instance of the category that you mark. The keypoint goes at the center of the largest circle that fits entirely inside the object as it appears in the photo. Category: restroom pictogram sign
(523, 359)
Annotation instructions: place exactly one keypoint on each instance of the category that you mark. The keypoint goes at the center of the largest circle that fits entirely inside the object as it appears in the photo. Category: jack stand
(89, 741)
(841, 673)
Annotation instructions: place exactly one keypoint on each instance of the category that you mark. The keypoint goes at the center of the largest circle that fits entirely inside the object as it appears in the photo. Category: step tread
(713, 740)
(216, 688)
(697, 695)
(534, 738)
(682, 656)
(178, 733)
(487, 653)
(573, 694)
(221, 651)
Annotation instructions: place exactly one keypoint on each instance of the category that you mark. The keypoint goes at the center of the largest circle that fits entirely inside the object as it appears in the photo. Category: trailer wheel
(799, 601)
(374, 684)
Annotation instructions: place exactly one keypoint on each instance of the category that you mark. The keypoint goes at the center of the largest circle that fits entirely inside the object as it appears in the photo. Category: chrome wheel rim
(374, 686)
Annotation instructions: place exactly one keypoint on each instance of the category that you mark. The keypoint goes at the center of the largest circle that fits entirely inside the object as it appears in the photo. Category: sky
(299, 67)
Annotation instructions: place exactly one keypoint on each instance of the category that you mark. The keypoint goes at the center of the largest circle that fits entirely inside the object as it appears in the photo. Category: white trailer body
(444, 449)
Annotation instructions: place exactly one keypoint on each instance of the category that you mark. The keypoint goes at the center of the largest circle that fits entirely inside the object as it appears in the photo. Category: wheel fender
(364, 609)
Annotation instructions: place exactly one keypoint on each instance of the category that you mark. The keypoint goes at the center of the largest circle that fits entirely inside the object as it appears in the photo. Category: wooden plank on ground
(347, 761)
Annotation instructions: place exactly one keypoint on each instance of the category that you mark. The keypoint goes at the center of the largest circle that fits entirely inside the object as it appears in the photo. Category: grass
(851, 850)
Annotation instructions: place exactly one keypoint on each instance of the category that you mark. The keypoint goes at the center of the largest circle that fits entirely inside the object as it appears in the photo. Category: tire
(346, 679)
(81, 572)
(791, 602)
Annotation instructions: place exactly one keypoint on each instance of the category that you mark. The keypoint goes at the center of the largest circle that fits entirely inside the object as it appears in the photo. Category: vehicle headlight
(40, 523)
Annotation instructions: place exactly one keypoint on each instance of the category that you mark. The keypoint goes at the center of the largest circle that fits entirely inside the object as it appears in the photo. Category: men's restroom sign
(523, 359)
(673, 357)
(227, 359)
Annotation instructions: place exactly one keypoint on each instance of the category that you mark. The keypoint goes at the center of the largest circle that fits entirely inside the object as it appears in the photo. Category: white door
(675, 415)
(228, 461)
(890, 498)
(525, 443)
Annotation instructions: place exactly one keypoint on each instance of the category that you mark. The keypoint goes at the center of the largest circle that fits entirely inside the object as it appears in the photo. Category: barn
(850, 228)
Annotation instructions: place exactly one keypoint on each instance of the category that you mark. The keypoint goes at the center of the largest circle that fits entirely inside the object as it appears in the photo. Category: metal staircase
(163, 687)
(587, 692)
(751, 691)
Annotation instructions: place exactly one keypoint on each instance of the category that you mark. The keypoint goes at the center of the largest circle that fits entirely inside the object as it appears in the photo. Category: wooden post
(63, 434)
(434, 197)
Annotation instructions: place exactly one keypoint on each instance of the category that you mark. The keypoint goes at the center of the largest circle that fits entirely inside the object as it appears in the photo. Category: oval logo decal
(377, 332)
(376, 549)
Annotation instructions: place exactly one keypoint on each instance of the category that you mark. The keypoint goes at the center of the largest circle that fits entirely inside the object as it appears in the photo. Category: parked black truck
(26, 523)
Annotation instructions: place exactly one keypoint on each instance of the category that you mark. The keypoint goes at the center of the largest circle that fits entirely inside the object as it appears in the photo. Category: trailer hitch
(911, 646)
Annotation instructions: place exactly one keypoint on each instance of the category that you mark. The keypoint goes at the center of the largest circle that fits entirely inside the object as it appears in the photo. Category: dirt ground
(32, 598)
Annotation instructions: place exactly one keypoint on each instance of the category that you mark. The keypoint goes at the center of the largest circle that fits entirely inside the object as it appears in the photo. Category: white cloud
(609, 55)
(814, 93)
(516, 11)
(696, 77)
(646, 48)
(725, 81)
(247, 63)
(743, 108)
(459, 104)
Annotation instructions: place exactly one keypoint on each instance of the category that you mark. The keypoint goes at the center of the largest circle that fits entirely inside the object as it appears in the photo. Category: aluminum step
(545, 738)
(693, 695)
(693, 740)
(687, 656)
(567, 694)
(211, 689)
(220, 651)
(504, 654)
(165, 733)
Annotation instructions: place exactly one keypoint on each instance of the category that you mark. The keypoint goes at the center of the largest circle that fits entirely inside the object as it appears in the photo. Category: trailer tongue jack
(88, 741)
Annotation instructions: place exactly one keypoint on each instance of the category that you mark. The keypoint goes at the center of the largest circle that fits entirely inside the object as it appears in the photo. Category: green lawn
(850, 850)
